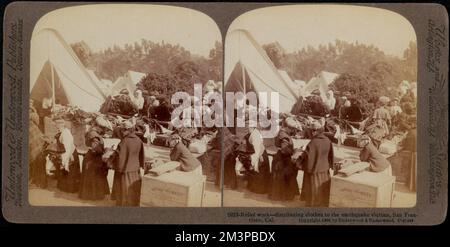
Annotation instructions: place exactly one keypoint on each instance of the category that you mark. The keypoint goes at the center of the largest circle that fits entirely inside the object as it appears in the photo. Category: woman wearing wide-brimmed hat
(316, 164)
(283, 182)
(94, 185)
(129, 159)
(36, 151)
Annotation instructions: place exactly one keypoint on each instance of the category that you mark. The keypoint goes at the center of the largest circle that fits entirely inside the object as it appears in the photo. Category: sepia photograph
(101, 83)
(225, 113)
(345, 124)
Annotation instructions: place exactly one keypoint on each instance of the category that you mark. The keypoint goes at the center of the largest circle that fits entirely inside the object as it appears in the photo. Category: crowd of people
(243, 150)
(278, 179)
(57, 156)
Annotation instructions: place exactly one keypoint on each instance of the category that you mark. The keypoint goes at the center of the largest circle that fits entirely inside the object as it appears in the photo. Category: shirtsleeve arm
(364, 154)
(175, 154)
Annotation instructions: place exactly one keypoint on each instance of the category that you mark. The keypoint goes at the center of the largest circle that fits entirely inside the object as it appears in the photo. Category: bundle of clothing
(120, 104)
(334, 128)
(73, 114)
(313, 105)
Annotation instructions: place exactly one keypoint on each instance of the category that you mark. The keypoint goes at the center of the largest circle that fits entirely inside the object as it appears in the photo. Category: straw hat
(316, 125)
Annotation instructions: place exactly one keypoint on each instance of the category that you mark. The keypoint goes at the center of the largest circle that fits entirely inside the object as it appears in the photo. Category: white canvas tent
(295, 85)
(319, 82)
(127, 81)
(248, 68)
(103, 84)
(300, 83)
(56, 70)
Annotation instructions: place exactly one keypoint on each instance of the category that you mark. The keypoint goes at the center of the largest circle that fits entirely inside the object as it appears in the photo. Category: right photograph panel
(320, 108)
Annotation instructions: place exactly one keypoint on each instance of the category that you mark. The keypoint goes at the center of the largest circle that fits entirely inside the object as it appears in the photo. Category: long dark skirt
(283, 182)
(258, 182)
(93, 185)
(69, 181)
(316, 189)
(37, 174)
(126, 190)
(230, 178)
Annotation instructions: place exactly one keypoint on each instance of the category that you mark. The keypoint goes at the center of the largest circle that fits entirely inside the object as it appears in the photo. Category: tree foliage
(168, 67)
(365, 71)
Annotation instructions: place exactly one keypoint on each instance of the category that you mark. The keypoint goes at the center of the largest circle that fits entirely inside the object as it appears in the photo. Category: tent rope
(78, 86)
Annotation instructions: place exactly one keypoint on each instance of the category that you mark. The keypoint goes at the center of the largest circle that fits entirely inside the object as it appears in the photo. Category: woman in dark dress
(317, 161)
(129, 158)
(283, 183)
(251, 153)
(94, 185)
(37, 175)
(67, 164)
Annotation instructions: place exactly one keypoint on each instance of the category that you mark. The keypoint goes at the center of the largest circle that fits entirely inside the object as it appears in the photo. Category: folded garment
(354, 168)
(166, 167)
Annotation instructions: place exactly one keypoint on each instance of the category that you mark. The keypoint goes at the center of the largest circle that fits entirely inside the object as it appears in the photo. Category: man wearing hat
(316, 162)
(283, 183)
(151, 106)
(129, 159)
(382, 121)
(343, 109)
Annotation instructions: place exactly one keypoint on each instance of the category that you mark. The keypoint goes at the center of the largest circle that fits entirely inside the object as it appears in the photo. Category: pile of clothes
(73, 114)
(120, 104)
(313, 105)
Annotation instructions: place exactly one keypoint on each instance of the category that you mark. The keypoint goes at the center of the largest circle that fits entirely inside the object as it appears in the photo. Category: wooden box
(173, 189)
(210, 164)
(365, 189)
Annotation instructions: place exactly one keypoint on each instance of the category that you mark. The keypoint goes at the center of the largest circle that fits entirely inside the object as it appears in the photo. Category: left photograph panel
(102, 107)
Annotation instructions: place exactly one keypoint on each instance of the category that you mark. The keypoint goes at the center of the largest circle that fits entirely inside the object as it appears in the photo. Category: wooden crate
(365, 189)
(210, 164)
(173, 189)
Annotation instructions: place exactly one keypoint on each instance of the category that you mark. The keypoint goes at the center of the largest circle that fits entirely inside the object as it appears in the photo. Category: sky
(101, 26)
(295, 27)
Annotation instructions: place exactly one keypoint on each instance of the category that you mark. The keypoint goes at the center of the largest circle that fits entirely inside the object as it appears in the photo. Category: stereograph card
(225, 113)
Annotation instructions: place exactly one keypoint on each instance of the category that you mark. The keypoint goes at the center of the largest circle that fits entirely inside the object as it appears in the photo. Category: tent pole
(53, 87)
(242, 66)
(243, 78)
